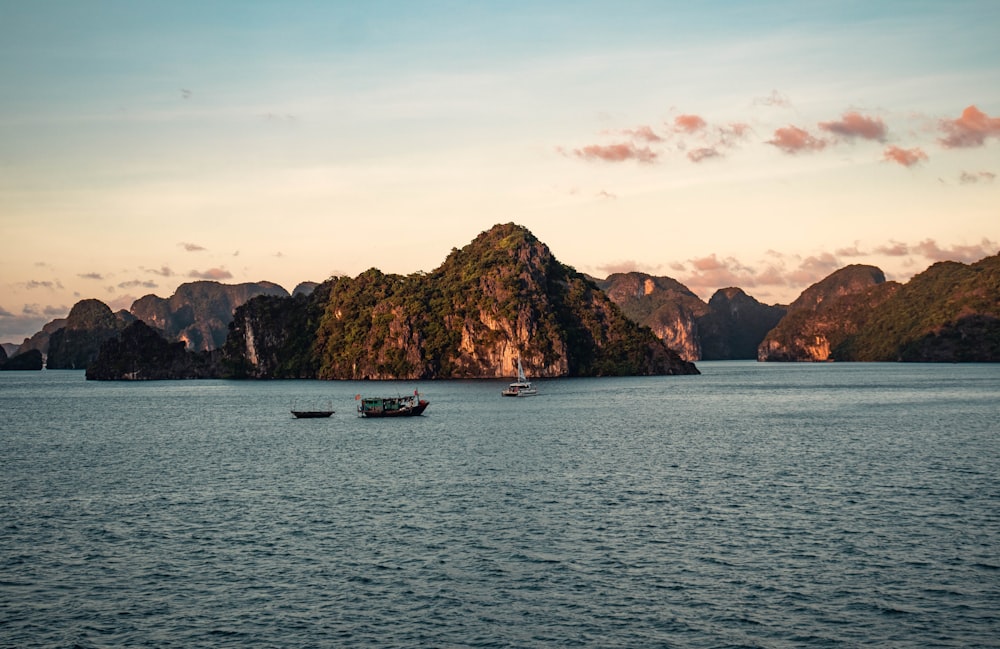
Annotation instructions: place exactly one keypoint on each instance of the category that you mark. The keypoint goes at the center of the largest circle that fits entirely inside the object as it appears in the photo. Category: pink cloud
(697, 155)
(905, 157)
(644, 133)
(893, 249)
(211, 273)
(853, 251)
(963, 253)
(688, 123)
(616, 153)
(970, 130)
(793, 139)
(812, 269)
(854, 124)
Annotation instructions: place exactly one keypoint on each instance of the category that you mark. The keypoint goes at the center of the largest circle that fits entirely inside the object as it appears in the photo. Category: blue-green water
(756, 505)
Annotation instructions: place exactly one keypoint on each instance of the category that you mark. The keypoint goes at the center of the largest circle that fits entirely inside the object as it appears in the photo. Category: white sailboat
(522, 387)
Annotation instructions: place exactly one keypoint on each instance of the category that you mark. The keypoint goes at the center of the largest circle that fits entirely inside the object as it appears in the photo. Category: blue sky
(761, 145)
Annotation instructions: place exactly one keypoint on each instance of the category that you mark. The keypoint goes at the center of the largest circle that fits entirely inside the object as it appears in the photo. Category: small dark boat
(311, 414)
(408, 406)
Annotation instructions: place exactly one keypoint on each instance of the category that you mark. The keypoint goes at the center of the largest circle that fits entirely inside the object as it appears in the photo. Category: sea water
(755, 505)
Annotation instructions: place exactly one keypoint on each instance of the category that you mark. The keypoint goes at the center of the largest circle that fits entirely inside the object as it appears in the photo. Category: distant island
(505, 295)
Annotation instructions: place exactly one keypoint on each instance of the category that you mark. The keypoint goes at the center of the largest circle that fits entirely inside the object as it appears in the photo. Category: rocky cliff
(664, 305)
(76, 344)
(198, 313)
(735, 325)
(140, 353)
(729, 327)
(501, 297)
(826, 314)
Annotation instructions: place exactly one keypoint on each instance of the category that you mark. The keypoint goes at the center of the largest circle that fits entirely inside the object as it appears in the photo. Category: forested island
(504, 296)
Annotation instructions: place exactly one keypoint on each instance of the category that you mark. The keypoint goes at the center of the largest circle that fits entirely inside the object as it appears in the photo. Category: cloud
(186, 94)
(211, 273)
(191, 247)
(983, 176)
(35, 284)
(704, 153)
(137, 283)
(162, 271)
(893, 249)
(627, 266)
(736, 131)
(970, 130)
(4, 313)
(905, 157)
(90, 276)
(854, 124)
(774, 99)
(963, 253)
(813, 268)
(643, 133)
(688, 123)
(606, 194)
(792, 139)
(853, 251)
(620, 152)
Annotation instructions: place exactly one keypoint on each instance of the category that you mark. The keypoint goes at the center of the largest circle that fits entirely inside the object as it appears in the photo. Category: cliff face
(77, 343)
(735, 325)
(664, 305)
(140, 353)
(501, 297)
(199, 313)
(826, 315)
(729, 327)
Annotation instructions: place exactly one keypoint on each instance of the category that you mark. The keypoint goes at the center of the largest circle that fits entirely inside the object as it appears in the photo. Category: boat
(522, 387)
(314, 412)
(398, 406)
(311, 414)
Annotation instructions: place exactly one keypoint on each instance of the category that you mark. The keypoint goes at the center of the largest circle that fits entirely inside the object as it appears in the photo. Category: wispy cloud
(46, 284)
(971, 129)
(703, 153)
(211, 273)
(162, 271)
(191, 247)
(90, 276)
(968, 178)
(853, 124)
(642, 133)
(905, 157)
(774, 99)
(137, 283)
(621, 152)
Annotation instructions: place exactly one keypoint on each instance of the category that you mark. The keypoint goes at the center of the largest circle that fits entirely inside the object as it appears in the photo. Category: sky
(754, 144)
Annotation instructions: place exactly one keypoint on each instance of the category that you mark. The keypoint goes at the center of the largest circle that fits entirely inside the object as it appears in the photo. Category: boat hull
(311, 414)
(406, 411)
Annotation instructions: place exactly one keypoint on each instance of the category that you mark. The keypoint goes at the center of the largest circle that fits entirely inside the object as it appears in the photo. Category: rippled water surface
(756, 505)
